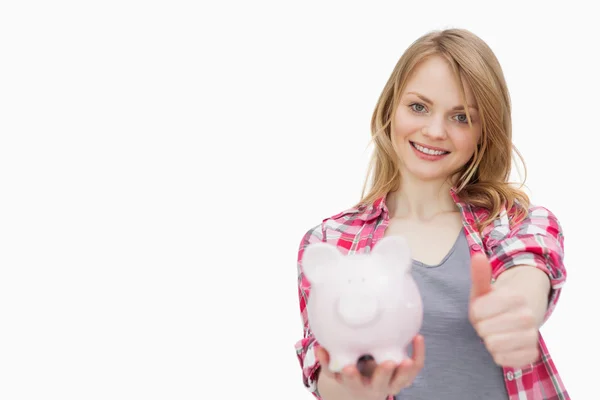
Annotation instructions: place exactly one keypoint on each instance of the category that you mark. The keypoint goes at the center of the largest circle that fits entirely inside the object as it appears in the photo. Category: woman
(489, 264)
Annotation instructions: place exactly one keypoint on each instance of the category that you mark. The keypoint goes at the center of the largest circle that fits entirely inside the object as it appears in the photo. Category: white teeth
(429, 151)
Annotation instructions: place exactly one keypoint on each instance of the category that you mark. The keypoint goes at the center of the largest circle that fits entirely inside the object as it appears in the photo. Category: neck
(420, 200)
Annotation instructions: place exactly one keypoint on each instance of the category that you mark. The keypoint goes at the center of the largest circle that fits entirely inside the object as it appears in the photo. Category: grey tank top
(457, 364)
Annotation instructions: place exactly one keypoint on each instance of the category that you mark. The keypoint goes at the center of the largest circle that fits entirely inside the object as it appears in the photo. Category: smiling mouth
(428, 151)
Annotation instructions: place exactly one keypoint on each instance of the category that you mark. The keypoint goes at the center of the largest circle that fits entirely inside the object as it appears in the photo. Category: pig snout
(358, 309)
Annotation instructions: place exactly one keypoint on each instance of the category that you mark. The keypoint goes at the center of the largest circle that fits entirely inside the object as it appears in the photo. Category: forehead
(433, 77)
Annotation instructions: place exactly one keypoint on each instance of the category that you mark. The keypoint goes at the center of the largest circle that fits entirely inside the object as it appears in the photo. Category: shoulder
(536, 219)
(535, 232)
(344, 225)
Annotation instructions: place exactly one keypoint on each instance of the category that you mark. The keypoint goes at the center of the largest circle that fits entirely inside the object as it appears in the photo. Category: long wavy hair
(484, 180)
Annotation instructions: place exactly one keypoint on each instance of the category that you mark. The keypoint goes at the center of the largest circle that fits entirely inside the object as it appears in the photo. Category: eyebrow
(456, 108)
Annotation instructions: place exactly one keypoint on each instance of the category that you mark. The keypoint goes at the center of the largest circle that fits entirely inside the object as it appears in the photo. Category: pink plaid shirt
(536, 241)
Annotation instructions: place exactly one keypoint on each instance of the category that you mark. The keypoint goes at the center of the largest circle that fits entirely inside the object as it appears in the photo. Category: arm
(533, 284)
(305, 348)
(529, 258)
(525, 264)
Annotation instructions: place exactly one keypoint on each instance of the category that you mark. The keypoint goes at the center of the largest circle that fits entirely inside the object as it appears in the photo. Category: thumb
(322, 355)
(323, 358)
(481, 275)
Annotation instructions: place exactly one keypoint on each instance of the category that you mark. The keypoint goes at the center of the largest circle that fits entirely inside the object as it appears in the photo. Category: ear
(394, 251)
(317, 259)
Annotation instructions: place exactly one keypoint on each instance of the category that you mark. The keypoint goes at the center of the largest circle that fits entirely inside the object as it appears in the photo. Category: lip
(427, 157)
(429, 147)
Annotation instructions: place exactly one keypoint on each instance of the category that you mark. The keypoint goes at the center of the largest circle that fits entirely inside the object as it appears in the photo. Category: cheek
(405, 124)
(465, 140)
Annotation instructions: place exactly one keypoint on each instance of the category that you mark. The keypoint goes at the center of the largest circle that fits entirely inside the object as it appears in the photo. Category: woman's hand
(376, 382)
(502, 317)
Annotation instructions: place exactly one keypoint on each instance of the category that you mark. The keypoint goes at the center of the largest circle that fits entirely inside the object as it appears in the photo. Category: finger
(511, 341)
(487, 325)
(481, 275)
(351, 378)
(518, 359)
(323, 358)
(322, 355)
(494, 304)
(419, 351)
(408, 370)
(383, 375)
(402, 376)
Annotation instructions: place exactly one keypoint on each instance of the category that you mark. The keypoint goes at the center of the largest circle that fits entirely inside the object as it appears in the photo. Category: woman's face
(430, 130)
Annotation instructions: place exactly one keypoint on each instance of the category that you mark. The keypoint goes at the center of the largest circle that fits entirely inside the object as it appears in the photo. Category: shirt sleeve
(305, 348)
(536, 241)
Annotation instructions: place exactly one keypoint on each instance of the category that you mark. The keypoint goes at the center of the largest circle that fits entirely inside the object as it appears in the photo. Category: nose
(436, 129)
(357, 309)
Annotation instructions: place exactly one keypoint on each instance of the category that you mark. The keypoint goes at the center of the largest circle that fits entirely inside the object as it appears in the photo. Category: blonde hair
(483, 181)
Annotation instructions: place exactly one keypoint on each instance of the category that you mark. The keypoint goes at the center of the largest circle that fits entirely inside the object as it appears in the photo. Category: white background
(161, 160)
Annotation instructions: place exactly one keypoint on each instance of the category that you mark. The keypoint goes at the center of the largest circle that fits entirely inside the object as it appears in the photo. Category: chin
(427, 172)
(429, 176)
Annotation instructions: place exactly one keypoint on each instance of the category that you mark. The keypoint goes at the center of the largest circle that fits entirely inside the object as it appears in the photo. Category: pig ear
(395, 251)
(317, 259)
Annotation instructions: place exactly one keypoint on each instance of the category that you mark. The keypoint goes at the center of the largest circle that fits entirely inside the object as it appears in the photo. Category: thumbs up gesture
(502, 318)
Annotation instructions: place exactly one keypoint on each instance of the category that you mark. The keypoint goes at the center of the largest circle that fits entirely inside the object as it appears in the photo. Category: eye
(462, 118)
(417, 107)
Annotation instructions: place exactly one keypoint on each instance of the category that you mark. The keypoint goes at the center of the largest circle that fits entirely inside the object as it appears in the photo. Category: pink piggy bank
(363, 304)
